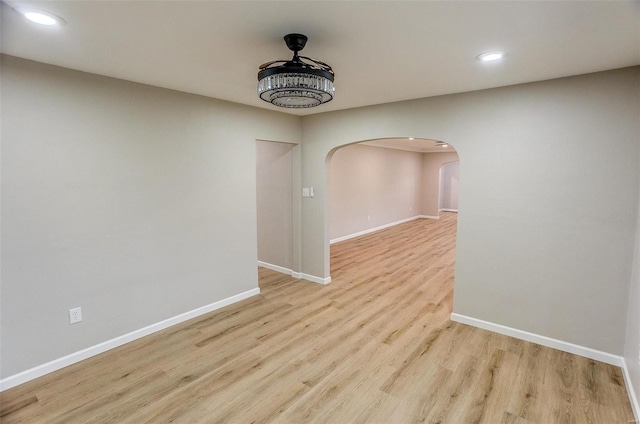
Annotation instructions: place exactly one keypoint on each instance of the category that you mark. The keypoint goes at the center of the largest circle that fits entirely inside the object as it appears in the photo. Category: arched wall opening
(514, 265)
(376, 184)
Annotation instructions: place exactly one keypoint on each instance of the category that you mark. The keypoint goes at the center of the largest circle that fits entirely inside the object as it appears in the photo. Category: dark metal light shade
(297, 83)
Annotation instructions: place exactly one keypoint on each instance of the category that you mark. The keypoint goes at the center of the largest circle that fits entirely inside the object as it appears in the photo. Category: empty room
(245, 211)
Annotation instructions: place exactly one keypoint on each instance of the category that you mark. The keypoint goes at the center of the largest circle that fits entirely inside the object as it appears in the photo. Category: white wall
(135, 203)
(371, 187)
(274, 182)
(538, 249)
(449, 179)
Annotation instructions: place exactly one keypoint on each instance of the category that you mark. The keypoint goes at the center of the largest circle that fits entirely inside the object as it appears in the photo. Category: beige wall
(537, 249)
(449, 182)
(275, 207)
(431, 163)
(138, 204)
(632, 342)
(135, 203)
(371, 187)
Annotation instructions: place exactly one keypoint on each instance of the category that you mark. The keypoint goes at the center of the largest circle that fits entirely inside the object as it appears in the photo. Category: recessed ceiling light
(43, 18)
(490, 56)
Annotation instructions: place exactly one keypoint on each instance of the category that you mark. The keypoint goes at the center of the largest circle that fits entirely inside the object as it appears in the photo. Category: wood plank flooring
(374, 346)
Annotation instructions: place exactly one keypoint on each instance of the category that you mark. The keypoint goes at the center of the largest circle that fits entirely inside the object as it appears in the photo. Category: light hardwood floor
(374, 346)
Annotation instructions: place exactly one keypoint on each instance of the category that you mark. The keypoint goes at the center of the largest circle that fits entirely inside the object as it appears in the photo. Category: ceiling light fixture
(490, 56)
(43, 18)
(297, 83)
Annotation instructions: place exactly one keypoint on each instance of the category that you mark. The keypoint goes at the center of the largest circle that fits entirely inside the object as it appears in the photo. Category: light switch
(305, 191)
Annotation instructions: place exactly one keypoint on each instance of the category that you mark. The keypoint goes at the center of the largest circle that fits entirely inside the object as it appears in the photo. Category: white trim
(294, 274)
(448, 210)
(275, 267)
(315, 279)
(429, 217)
(72, 358)
(281, 269)
(587, 352)
(632, 394)
(373, 230)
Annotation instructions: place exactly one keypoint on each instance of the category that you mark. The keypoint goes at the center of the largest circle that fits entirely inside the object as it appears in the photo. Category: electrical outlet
(75, 315)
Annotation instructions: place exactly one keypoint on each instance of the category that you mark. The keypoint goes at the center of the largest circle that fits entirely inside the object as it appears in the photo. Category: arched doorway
(448, 188)
(377, 184)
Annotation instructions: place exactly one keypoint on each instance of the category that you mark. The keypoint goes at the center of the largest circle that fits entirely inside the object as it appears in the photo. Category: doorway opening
(390, 211)
(448, 188)
(277, 207)
(375, 184)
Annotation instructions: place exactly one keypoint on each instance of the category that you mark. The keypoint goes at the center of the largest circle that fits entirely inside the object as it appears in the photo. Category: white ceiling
(382, 51)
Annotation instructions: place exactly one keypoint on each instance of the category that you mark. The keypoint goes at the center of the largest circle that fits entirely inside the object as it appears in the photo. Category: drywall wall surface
(371, 187)
(274, 182)
(449, 181)
(632, 339)
(537, 249)
(431, 164)
(133, 202)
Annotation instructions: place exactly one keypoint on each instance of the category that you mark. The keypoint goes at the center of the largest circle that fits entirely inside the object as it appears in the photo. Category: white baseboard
(373, 230)
(448, 210)
(72, 358)
(587, 352)
(429, 217)
(315, 279)
(633, 396)
(277, 268)
(295, 274)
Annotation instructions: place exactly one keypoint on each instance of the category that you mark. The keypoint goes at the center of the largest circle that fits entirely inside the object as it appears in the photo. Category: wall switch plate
(75, 315)
(305, 191)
